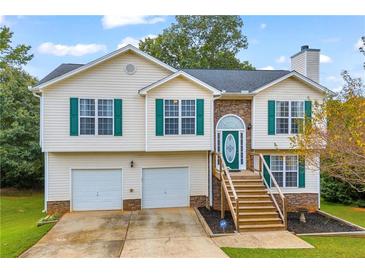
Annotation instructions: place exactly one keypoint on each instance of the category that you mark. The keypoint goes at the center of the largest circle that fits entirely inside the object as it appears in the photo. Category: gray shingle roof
(60, 70)
(228, 80)
(236, 80)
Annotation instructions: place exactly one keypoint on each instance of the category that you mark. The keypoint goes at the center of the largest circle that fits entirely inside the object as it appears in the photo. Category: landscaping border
(350, 233)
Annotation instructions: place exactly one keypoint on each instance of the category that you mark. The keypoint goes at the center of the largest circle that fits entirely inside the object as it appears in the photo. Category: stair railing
(220, 171)
(283, 210)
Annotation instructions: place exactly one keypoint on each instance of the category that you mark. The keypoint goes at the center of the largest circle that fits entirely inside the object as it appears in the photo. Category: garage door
(165, 187)
(96, 189)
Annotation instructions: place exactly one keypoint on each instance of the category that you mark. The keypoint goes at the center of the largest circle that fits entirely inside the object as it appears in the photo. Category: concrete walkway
(168, 233)
(272, 239)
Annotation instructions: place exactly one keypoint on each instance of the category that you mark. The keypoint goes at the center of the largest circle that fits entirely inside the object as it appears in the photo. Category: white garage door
(165, 187)
(96, 189)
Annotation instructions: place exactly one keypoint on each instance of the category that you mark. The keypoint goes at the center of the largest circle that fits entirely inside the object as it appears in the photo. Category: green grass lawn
(19, 216)
(349, 213)
(325, 247)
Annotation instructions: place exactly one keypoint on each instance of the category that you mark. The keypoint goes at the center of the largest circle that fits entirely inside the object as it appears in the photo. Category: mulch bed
(213, 218)
(317, 223)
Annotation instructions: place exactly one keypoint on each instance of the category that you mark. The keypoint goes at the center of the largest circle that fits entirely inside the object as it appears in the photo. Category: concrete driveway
(168, 233)
(97, 234)
(165, 233)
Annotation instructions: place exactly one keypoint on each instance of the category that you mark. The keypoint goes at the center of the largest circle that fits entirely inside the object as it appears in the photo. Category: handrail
(224, 171)
(283, 212)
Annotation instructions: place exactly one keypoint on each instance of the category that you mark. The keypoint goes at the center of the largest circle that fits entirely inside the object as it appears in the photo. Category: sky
(272, 40)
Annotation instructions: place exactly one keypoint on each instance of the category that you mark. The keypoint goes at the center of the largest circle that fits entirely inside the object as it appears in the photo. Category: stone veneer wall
(296, 201)
(198, 201)
(241, 108)
(58, 207)
(132, 204)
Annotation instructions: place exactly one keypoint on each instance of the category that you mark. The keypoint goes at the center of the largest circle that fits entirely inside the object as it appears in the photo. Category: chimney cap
(304, 48)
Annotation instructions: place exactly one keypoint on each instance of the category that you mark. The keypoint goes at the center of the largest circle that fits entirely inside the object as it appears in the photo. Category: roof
(236, 80)
(60, 70)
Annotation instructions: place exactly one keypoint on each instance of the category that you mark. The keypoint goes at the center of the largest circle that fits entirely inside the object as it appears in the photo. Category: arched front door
(231, 141)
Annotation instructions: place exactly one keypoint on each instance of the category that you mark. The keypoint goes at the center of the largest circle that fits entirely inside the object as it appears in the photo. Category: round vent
(130, 68)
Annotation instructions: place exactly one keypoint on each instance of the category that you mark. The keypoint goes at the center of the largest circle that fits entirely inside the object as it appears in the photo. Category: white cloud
(325, 59)
(281, 59)
(2, 19)
(263, 26)
(74, 50)
(359, 44)
(333, 78)
(134, 41)
(113, 21)
(267, 68)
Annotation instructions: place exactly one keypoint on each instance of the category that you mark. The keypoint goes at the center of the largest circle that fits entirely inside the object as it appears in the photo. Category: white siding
(60, 165)
(179, 88)
(289, 89)
(106, 80)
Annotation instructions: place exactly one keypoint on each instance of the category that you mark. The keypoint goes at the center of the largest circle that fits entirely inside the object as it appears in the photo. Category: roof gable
(67, 70)
(146, 89)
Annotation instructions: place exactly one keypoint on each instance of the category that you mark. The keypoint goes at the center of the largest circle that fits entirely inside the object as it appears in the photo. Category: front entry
(230, 143)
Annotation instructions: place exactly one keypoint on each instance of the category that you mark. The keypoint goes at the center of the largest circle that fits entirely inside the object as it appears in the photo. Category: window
(188, 116)
(179, 117)
(289, 117)
(105, 117)
(100, 121)
(87, 116)
(285, 170)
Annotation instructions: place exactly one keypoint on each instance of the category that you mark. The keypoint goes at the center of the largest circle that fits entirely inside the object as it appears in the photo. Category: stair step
(252, 198)
(260, 221)
(249, 186)
(259, 214)
(246, 180)
(250, 191)
(261, 227)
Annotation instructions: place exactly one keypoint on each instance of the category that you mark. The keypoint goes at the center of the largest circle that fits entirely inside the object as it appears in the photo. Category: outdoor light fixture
(249, 126)
(132, 163)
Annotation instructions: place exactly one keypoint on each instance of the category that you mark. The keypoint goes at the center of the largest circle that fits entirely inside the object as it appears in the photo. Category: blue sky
(272, 39)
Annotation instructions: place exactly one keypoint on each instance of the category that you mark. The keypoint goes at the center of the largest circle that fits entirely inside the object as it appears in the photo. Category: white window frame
(179, 117)
(284, 170)
(290, 117)
(96, 117)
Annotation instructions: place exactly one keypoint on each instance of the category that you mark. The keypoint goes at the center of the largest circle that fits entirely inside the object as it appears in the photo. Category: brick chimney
(306, 62)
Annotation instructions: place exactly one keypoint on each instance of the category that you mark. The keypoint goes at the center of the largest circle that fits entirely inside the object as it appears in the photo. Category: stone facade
(198, 201)
(216, 188)
(297, 201)
(241, 108)
(132, 204)
(59, 207)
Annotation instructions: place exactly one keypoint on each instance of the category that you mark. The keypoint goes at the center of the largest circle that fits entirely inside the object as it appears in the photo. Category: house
(127, 131)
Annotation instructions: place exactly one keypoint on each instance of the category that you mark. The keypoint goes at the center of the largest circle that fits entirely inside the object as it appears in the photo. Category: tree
(21, 158)
(341, 143)
(200, 42)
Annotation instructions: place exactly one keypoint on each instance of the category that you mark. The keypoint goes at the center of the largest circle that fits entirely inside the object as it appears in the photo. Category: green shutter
(159, 117)
(301, 172)
(266, 172)
(271, 117)
(118, 117)
(308, 110)
(74, 116)
(200, 117)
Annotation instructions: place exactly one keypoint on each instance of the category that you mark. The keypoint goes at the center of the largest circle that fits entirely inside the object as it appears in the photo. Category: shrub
(333, 190)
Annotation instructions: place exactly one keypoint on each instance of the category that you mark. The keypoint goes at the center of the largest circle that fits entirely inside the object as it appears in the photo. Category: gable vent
(130, 69)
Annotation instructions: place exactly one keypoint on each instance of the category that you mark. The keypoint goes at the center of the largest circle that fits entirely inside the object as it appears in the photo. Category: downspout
(41, 107)
(210, 186)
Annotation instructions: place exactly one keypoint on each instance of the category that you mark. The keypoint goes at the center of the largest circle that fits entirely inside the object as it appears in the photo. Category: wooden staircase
(250, 199)
(256, 210)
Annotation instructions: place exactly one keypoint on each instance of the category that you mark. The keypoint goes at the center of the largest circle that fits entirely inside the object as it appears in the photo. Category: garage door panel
(96, 189)
(165, 187)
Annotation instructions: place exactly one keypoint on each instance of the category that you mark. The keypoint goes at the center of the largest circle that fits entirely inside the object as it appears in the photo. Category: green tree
(20, 155)
(200, 42)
